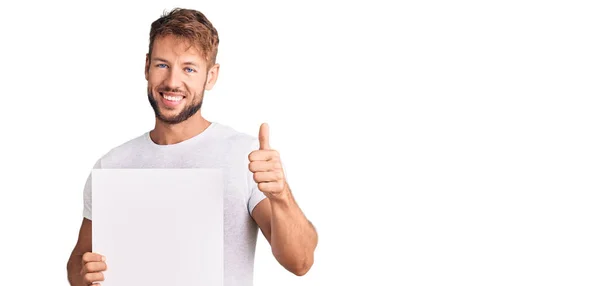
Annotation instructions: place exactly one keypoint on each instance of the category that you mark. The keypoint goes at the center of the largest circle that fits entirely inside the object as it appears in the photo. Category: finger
(264, 166)
(93, 277)
(263, 155)
(92, 257)
(262, 177)
(263, 137)
(270, 187)
(94, 267)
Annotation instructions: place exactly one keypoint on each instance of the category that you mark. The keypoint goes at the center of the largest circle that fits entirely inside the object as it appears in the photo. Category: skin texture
(175, 68)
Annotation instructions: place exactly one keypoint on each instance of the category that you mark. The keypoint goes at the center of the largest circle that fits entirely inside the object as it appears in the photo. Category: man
(180, 66)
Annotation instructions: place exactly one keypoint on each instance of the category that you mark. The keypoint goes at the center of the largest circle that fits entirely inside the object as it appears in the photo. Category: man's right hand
(93, 266)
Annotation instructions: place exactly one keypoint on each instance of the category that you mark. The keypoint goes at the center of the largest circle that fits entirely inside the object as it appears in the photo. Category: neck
(166, 134)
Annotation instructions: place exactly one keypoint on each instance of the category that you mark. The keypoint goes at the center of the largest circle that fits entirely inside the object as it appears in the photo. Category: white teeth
(173, 98)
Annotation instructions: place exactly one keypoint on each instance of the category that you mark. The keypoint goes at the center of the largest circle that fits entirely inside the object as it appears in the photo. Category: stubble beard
(185, 114)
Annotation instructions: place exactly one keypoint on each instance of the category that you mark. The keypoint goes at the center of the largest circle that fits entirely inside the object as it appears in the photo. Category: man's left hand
(266, 166)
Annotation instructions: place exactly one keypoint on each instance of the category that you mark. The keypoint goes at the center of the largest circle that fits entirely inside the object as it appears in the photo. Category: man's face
(177, 77)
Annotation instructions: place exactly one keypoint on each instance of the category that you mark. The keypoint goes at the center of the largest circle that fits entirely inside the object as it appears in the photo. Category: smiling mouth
(172, 97)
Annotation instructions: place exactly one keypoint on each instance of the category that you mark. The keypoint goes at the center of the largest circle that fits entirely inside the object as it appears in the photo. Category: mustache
(169, 89)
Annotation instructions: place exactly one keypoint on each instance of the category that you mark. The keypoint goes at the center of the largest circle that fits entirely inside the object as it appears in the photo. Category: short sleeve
(255, 195)
(87, 194)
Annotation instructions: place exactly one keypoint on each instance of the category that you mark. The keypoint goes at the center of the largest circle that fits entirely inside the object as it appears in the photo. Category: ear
(147, 68)
(211, 77)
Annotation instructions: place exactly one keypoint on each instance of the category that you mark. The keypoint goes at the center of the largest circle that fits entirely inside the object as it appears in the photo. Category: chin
(172, 111)
(170, 114)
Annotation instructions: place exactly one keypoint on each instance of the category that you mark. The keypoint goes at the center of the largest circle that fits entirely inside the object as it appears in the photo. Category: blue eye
(161, 65)
(189, 70)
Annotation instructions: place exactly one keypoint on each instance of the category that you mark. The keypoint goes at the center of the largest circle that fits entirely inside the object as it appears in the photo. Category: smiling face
(177, 77)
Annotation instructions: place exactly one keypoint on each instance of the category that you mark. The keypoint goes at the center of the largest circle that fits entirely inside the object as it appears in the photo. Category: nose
(173, 80)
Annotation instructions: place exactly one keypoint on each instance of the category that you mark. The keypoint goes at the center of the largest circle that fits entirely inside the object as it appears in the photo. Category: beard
(187, 112)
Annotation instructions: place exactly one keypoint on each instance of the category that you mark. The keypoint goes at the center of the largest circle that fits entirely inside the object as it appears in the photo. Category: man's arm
(85, 267)
(83, 245)
(292, 236)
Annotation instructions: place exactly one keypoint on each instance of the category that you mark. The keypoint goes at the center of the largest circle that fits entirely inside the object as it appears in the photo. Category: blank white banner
(159, 226)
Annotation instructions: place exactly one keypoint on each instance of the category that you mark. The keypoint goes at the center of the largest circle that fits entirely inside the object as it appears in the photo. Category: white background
(431, 142)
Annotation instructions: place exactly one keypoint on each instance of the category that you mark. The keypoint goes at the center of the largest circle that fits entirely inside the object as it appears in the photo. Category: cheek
(157, 75)
(154, 79)
(194, 85)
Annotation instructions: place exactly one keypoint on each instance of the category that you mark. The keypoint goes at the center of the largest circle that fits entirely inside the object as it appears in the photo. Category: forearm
(74, 270)
(293, 237)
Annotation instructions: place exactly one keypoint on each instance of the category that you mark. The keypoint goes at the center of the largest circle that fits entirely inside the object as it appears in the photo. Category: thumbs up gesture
(266, 166)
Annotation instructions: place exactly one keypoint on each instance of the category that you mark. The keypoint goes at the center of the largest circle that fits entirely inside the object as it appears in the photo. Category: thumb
(263, 137)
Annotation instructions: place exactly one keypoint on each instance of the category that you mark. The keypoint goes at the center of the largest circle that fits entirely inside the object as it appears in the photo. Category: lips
(171, 99)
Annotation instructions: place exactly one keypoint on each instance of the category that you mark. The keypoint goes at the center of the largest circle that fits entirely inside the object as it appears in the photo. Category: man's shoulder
(236, 138)
(125, 149)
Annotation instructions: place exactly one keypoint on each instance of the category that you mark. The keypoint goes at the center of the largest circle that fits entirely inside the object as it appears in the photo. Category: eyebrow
(163, 60)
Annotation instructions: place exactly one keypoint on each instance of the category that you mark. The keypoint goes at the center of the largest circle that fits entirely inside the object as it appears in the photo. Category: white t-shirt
(219, 146)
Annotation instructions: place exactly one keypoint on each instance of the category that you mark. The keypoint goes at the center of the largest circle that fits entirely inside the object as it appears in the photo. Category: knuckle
(267, 187)
(88, 278)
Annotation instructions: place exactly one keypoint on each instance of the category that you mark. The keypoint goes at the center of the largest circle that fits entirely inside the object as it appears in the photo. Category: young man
(180, 66)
